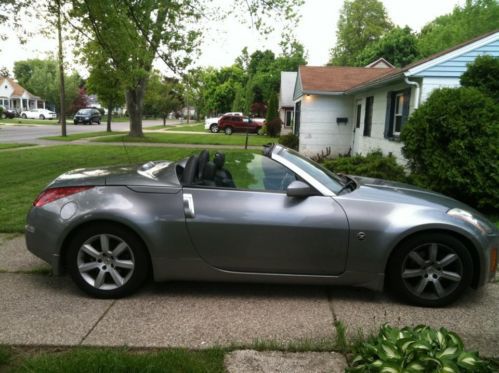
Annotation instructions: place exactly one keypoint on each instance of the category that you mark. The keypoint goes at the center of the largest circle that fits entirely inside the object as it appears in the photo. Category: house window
(368, 117)
(397, 114)
(357, 118)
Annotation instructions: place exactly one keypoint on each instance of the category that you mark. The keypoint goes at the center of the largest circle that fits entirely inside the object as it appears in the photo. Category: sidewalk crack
(331, 307)
(97, 322)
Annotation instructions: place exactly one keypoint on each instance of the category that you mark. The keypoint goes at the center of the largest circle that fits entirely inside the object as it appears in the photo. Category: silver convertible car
(271, 217)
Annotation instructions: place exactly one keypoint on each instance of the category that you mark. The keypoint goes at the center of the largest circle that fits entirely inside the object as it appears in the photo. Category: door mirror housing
(298, 189)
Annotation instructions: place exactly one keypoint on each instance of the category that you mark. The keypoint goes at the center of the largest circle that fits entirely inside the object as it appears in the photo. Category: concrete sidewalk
(44, 310)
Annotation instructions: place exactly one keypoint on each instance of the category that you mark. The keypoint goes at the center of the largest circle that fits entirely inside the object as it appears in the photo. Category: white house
(286, 103)
(359, 109)
(15, 97)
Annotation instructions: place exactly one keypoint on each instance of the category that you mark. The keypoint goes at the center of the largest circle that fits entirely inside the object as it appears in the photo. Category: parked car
(211, 124)
(272, 217)
(38, 114)
(237, 123)
(7, 113)
(87, 116)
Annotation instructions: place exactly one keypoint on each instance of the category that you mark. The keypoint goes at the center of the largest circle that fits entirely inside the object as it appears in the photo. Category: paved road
(45, 310)
(25, 134)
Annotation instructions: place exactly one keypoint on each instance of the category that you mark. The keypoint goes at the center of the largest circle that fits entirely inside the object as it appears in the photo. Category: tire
(42, 117)
(24, 116)
(430, 270)
(228, 130)
(214, 128)
(116, 280)
(98, 122)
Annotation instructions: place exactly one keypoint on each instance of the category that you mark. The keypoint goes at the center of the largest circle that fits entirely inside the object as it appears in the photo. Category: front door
(256, 227)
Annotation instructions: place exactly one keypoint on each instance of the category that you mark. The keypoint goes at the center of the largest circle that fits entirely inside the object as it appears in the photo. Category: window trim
(395, 114)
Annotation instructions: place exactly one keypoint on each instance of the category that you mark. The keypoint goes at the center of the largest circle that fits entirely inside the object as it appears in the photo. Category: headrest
(219, 160)
(204, 157)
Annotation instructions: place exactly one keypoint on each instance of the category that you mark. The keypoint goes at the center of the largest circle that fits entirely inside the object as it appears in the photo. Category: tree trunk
(135, 105)
(109, 115)
(62, 93)
(164, 120)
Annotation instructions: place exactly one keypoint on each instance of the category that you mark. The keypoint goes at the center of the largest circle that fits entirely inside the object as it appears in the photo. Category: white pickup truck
(211, 124)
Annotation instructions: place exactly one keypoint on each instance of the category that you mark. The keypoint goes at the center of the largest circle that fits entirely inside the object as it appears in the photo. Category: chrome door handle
(189, 206)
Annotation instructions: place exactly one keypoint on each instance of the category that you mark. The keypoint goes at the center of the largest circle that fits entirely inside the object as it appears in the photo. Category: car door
(256, 227)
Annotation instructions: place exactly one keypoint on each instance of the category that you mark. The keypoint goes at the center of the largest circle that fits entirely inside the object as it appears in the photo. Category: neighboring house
(15, 97)
(286, 103)
(355, 109)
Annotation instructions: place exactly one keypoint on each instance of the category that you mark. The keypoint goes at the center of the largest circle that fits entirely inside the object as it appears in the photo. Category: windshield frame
(277, 154)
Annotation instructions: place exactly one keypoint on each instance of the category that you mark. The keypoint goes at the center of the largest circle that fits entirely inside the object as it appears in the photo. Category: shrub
(374, 164)
(290, 140)
(273, 128)
(451, 143)
(483, 74)
(1, 112)
(419, 349)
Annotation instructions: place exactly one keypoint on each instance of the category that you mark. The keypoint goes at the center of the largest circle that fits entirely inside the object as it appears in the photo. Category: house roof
(18, 90)
(380, 63)
(338, 78)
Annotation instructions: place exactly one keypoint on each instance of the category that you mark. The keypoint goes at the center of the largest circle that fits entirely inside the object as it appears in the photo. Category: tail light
(53, 194)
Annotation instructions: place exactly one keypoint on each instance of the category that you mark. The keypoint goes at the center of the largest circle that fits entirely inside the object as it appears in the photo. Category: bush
(273, 128)
(290, 140)
(1, 112)
(419, 349)
(374, 164)
(483, 74)
(451, 143)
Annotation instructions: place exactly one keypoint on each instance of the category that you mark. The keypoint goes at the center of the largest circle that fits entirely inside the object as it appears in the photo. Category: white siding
(318, 128)
(430, 84)
(6, 89)
(365, 144)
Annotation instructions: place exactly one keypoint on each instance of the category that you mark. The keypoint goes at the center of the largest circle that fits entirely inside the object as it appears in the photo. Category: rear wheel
(430, 270)
(228, 130)
(107, 261)
(42, 117)
(24, 116)
(214, 128)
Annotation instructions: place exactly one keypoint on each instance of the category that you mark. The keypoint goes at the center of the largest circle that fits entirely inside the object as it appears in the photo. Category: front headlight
(471, 219)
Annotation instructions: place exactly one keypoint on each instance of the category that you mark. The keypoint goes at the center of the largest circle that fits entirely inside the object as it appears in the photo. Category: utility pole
(62, 94)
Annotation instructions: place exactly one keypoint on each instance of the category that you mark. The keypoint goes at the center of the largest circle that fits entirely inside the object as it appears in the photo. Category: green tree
(452, 145)
(104, 81)
(238, 104)
(361, 22)
(162, 96)
(398, 46)
(134, 34)
(273, 122)
(483, 74)
(476, 17)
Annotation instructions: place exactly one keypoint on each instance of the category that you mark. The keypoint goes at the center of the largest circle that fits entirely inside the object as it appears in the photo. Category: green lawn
(29, 121)
(26, 174)
(83, 135)
(179, 138)
(199, 127)
(13, 145)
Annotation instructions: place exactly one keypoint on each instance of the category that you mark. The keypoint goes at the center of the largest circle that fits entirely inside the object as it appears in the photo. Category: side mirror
(298, 189)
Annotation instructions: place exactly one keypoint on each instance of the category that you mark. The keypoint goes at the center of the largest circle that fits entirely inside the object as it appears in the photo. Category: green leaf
(449, 367)
(390, 368)
(421, 345)
(448, 353)
(469, 360)
(390, 351)
(416, 366)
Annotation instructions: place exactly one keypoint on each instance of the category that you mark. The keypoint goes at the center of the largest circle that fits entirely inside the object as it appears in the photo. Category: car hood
(393, 191)
(154, 174)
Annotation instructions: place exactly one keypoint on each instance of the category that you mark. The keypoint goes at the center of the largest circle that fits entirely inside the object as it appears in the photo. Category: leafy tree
(398, 46)
(221, 87)
(133, 34)
(104, 81)
(483, 74)
(273, 122)
(238, 104)
(452, 145)
(476, 17)
(361, 22)
(162, 96)
(80, 101)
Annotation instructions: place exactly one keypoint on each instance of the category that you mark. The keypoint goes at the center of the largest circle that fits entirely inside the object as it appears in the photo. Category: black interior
(199, 170)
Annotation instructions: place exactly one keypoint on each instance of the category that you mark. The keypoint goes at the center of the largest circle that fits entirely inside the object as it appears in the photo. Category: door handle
(189, 206)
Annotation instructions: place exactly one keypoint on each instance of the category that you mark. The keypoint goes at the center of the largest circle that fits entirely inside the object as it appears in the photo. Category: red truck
(238, 123)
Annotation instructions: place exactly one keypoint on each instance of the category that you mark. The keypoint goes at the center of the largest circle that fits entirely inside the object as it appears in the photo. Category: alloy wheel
(105, 262)
(432, 271)
(214, 128)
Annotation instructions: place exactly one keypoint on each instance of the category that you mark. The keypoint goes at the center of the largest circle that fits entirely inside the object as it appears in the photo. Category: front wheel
(430, 270)
(107, 261)
(42, 117)
(24, 116)
(228, 130)
(214, 128)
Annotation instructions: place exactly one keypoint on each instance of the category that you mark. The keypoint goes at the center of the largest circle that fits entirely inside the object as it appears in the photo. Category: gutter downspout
(418, 88)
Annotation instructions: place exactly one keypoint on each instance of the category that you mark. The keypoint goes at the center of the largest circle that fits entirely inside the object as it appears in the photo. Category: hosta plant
(415, 349)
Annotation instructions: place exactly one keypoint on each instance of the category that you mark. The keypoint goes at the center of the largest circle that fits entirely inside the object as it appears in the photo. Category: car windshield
(327, 178)
(84, 111)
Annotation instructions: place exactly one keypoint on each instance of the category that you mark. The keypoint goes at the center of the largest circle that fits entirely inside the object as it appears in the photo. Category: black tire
(438, 281)
(214, 128)
(24, 116)
(42, 117)
(137, 254)
(228, 130)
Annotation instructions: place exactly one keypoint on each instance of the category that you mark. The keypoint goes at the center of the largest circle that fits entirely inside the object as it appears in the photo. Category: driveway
(39, 309)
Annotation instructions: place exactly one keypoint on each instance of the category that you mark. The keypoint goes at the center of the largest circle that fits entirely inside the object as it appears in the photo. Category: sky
(223, 42)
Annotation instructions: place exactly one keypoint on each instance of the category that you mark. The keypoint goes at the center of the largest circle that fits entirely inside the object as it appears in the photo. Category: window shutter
(405, 108)
(389, 115)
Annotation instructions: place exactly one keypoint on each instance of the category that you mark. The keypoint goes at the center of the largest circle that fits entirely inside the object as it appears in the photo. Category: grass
(5, 355)
(199, 127)
(13, 145)
(29, 121)
(180, 138)
(83, 135)
(25, 175)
